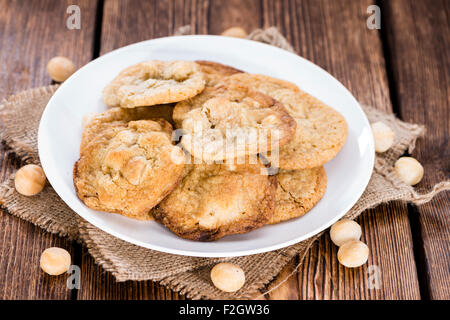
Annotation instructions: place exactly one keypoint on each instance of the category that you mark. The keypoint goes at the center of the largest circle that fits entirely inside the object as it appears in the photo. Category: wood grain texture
(234, 13)
(98, 284)
(129, 21)
(31, 32)
(333, 34)
(418, 35)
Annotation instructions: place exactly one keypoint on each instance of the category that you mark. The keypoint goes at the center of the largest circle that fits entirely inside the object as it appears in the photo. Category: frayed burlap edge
(17, 139)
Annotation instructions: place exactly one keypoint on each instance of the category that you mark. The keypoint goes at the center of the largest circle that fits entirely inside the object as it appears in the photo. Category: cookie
(214, 72)
(321, 130)
(97, 122)
(128, 168)
(298, 191)
(231, 122)
(263, 83)
(182, 108)
(154, 82)
(215, 200)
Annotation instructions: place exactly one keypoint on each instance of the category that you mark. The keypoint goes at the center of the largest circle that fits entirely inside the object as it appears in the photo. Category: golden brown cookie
(97, 122)
(298, 191)
(232, 121)
(182, 108)
(128, 168)
(321, 130)
(263, 83)
(154, 82)
(215, 200)
(214, 72)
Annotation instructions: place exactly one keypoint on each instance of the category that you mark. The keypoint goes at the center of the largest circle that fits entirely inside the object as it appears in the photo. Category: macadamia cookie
(232, 122)
(154, 82)
(214, 200)
(98, 122)
(214, 72)
(298, 191)
(128, 168)
(321, 131)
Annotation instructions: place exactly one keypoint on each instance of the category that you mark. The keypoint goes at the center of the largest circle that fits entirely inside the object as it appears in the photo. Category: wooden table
(403, 68)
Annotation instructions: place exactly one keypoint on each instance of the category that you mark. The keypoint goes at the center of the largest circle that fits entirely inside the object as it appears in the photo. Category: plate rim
(53, 180)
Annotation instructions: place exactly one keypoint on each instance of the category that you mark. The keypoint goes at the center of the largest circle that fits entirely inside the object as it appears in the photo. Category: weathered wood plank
(130, 21)
(418, 34)
(31, 32)
(333, 34)
(234, 13)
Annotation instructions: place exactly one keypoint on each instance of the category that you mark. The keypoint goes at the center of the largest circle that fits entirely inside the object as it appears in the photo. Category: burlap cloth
(20, 115)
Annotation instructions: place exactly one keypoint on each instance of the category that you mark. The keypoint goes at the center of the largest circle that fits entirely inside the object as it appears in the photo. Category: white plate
(348, 174)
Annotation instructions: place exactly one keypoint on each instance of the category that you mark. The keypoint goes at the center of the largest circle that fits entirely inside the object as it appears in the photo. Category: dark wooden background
(402, 68)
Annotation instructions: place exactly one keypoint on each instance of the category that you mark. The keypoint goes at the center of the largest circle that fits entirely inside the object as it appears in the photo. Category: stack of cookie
(247, 150)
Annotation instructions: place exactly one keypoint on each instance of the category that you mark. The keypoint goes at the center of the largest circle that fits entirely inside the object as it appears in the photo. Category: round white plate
(348, 174)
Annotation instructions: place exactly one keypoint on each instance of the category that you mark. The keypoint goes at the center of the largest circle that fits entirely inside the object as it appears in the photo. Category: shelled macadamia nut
(29, 180)
(55, 261)
(343, 231)
(60, 68)
(383, 136)
(236, 32)
(409, 170)
(353, 254)
(227, 277)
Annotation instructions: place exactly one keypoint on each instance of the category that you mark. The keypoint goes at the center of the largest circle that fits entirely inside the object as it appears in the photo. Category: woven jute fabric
(20, 115)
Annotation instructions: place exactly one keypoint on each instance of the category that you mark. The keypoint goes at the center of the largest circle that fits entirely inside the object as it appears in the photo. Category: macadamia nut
(55, 261)
(29, 180)
(60, 68)
(227, 277)
(236, 32)
(343, 231)
(409, 170)
(353, 254)
(383, 136)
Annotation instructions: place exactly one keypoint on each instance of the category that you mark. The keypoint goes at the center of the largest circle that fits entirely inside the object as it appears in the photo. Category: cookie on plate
(298, 191)
(215, 200)
(128, 168)
(232, 122)
(95, 123)
(214, 72)
(182, 108)
(154, 82)
(321, 130)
